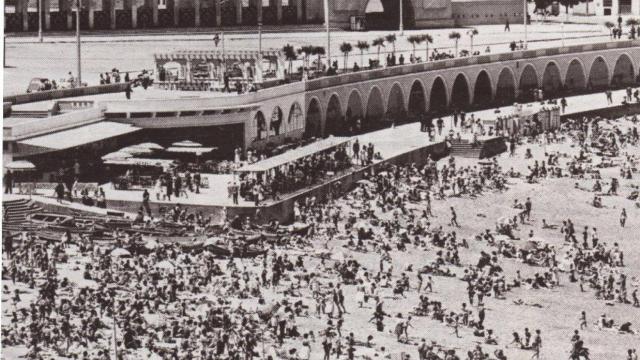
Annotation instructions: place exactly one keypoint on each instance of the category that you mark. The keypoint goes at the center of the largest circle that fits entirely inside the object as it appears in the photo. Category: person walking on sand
(454, 218)
(507, 28)
(623, 217)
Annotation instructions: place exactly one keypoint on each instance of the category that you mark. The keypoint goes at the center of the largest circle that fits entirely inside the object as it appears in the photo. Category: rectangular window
(245, 3)
(266, 3)
(607, 3)
(285, 3)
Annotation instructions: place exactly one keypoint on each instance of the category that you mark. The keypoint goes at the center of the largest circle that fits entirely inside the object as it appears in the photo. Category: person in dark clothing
(145, 202)
(8, 182)
(177, 186)
(169, 185)
(127, 91)
(60, 192)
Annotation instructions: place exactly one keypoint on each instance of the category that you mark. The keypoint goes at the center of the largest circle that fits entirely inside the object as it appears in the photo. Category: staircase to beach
(483, 149)
(15, 212)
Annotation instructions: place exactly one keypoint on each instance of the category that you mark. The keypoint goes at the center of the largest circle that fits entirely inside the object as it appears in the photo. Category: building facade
(59, 15)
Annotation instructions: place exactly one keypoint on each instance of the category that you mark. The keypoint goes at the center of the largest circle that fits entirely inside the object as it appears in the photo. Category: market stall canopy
(133, 150)
(186, 143)
(20, 165)
(218, 54)
(82, 135)
(190, 150)
(120, 252)
(149, 145)
(118, 155)
(164, 163)
(296, 154)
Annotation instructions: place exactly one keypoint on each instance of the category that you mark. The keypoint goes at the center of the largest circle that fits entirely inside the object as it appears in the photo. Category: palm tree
(346, 48)
(307, 50)
(362, 46)
(609, 25)
(428, 39)
(378, 42)
(455, 36)
(319, 50)
(290, 55)
(414, 40)
(472, 32)
(391, 39)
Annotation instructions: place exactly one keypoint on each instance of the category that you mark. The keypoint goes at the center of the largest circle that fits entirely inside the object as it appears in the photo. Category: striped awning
(218, 54)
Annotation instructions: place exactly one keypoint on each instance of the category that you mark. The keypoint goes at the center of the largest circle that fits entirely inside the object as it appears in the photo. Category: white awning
(295, 154)
(190, 150)
(83, 135)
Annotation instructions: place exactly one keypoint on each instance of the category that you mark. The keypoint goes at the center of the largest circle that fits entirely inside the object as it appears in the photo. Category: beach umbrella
(118, 155)
(134, 150)
(120, 252)
(186, 143)
(149, 145)
(152, 244)
(365, 182)
(530, 246)
(166, 265)
(20, 165)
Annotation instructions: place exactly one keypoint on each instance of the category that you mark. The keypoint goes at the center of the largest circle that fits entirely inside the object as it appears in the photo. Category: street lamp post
(526, 15)
(326, 21)
(78, 4)
(401, 20)
(260, 48)
(40, 20)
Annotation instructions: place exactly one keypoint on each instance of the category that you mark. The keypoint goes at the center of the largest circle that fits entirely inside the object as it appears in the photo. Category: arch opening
(395, 106)
(375, 109)
(296, 117)
(334, 119)
(261, 125)
(276, 121)
(417, 103)
(460, 92)
(354, 113)
(506, 87)
(438, 96)
(482, 92)
(551, 80)
(528, 83)
(623, 72)
(598, 75)
(313, 126)
(575, 80)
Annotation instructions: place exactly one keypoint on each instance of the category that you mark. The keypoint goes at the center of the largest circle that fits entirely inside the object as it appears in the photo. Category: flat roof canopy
(295, 154)
(217, 54)
(81, 135)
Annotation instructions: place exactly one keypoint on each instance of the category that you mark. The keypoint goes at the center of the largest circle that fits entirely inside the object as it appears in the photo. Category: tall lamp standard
(78, 4)
(326, 22)
(401, 19)
(526, 15)
(260, 48)
(40, 20)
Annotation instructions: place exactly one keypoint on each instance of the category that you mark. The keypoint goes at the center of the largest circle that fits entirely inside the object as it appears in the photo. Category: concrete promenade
(390, 142)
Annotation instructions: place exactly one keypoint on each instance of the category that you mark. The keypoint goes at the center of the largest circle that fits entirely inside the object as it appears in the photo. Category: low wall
(493, 147)
(64, 93)
(608, 112)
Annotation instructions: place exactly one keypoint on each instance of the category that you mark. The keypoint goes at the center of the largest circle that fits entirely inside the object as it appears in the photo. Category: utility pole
(326, 21)
(78, 4)
(224, 59)
(260, 49)
(401, 19)
(525, 15)
(40, 20)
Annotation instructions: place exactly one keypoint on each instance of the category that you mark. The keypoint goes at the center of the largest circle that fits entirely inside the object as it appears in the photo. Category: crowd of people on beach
(141, 297)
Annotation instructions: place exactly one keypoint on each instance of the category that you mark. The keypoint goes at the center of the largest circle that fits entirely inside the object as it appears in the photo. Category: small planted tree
(306, 51)
(362, 46)
(455, 36)
(428, 39)
(319, 51)
(378, 42)
(472, 32)
(289, 54)
(414, 40)
(391, 39)
(345, 49)
(609, 25)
